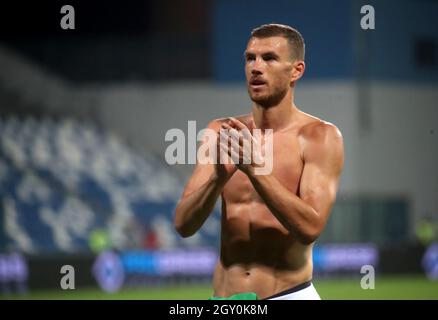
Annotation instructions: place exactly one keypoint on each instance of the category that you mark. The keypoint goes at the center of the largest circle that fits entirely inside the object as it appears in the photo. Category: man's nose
(255, 72)
(257, 67)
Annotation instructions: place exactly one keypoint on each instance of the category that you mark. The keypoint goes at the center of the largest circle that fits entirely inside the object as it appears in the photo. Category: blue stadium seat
(60, 180)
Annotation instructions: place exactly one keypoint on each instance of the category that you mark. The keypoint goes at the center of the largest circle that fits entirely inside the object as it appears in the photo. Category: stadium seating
(62, 179)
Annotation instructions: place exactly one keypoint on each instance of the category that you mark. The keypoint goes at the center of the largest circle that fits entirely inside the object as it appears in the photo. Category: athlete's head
(274, 60)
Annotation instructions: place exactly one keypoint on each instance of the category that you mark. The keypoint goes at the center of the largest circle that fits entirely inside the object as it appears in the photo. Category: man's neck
(275, 117)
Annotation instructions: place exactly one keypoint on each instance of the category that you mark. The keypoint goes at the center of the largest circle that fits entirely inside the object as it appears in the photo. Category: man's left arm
(306, 215)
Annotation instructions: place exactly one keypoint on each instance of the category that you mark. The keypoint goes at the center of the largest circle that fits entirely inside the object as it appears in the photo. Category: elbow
(307, 238)
(307, 232)
(310, 234)
(305, 235)
(182, 231)
(312, 229)
(181, 228)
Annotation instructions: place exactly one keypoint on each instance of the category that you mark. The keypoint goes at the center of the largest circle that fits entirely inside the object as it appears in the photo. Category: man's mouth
(255, 83)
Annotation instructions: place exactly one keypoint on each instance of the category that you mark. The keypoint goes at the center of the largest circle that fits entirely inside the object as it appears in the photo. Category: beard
(268, 100)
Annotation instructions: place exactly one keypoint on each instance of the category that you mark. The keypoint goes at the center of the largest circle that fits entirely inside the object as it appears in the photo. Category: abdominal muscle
(258, 254)
(264, 281)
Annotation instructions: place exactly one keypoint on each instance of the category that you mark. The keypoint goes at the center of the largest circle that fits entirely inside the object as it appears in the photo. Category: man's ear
(297, 71)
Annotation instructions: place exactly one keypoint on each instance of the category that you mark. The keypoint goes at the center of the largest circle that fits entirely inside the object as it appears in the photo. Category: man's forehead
(276, 44)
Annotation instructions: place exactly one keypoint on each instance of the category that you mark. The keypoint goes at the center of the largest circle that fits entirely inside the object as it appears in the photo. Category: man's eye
(249, 58)
(268, 58)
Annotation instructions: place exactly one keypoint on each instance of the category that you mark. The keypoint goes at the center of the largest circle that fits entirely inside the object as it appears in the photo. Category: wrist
(250, 170)
(218, 179)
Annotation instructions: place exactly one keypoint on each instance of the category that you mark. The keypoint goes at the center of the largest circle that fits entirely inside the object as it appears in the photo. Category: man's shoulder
(318, 130)
(318, 137)
(322, 141)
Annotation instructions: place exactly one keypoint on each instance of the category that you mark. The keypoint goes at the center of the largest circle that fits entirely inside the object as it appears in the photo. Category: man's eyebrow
(267, 53)
(270, 53)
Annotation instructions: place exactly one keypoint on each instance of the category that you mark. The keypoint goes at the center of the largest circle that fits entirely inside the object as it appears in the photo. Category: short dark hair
(294, 38)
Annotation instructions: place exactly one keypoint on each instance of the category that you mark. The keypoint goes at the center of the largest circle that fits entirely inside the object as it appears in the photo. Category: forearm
(194, 209)
(291, 211)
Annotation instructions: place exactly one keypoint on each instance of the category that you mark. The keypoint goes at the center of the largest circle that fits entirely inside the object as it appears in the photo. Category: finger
(234, 156)
(251, 125)
(225, 154)
(257, 138)
(236, 136)
(225, 125)
(246, 133)
(235, 145)
(224, 137)
(244, 129)
(239, 125)
(238, 151)
(223, 147)
(233, 132)
(242, 139)
(226, 129)
(241, 128)
(228, 125)
(247, 154)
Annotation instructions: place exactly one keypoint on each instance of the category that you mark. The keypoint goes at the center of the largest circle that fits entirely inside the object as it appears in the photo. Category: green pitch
(412, 287)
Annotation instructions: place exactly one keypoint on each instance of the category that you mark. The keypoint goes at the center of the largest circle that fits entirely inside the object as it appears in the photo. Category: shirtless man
(271, 221)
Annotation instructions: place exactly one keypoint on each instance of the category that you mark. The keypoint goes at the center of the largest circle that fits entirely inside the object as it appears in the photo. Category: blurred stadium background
(84, 112)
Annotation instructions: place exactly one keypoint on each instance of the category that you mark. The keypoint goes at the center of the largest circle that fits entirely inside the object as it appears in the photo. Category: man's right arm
(201, 193)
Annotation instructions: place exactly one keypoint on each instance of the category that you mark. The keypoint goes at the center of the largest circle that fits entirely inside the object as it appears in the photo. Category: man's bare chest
(287, 169)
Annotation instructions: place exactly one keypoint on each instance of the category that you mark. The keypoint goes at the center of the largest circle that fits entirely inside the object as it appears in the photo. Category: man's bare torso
(258, 254)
